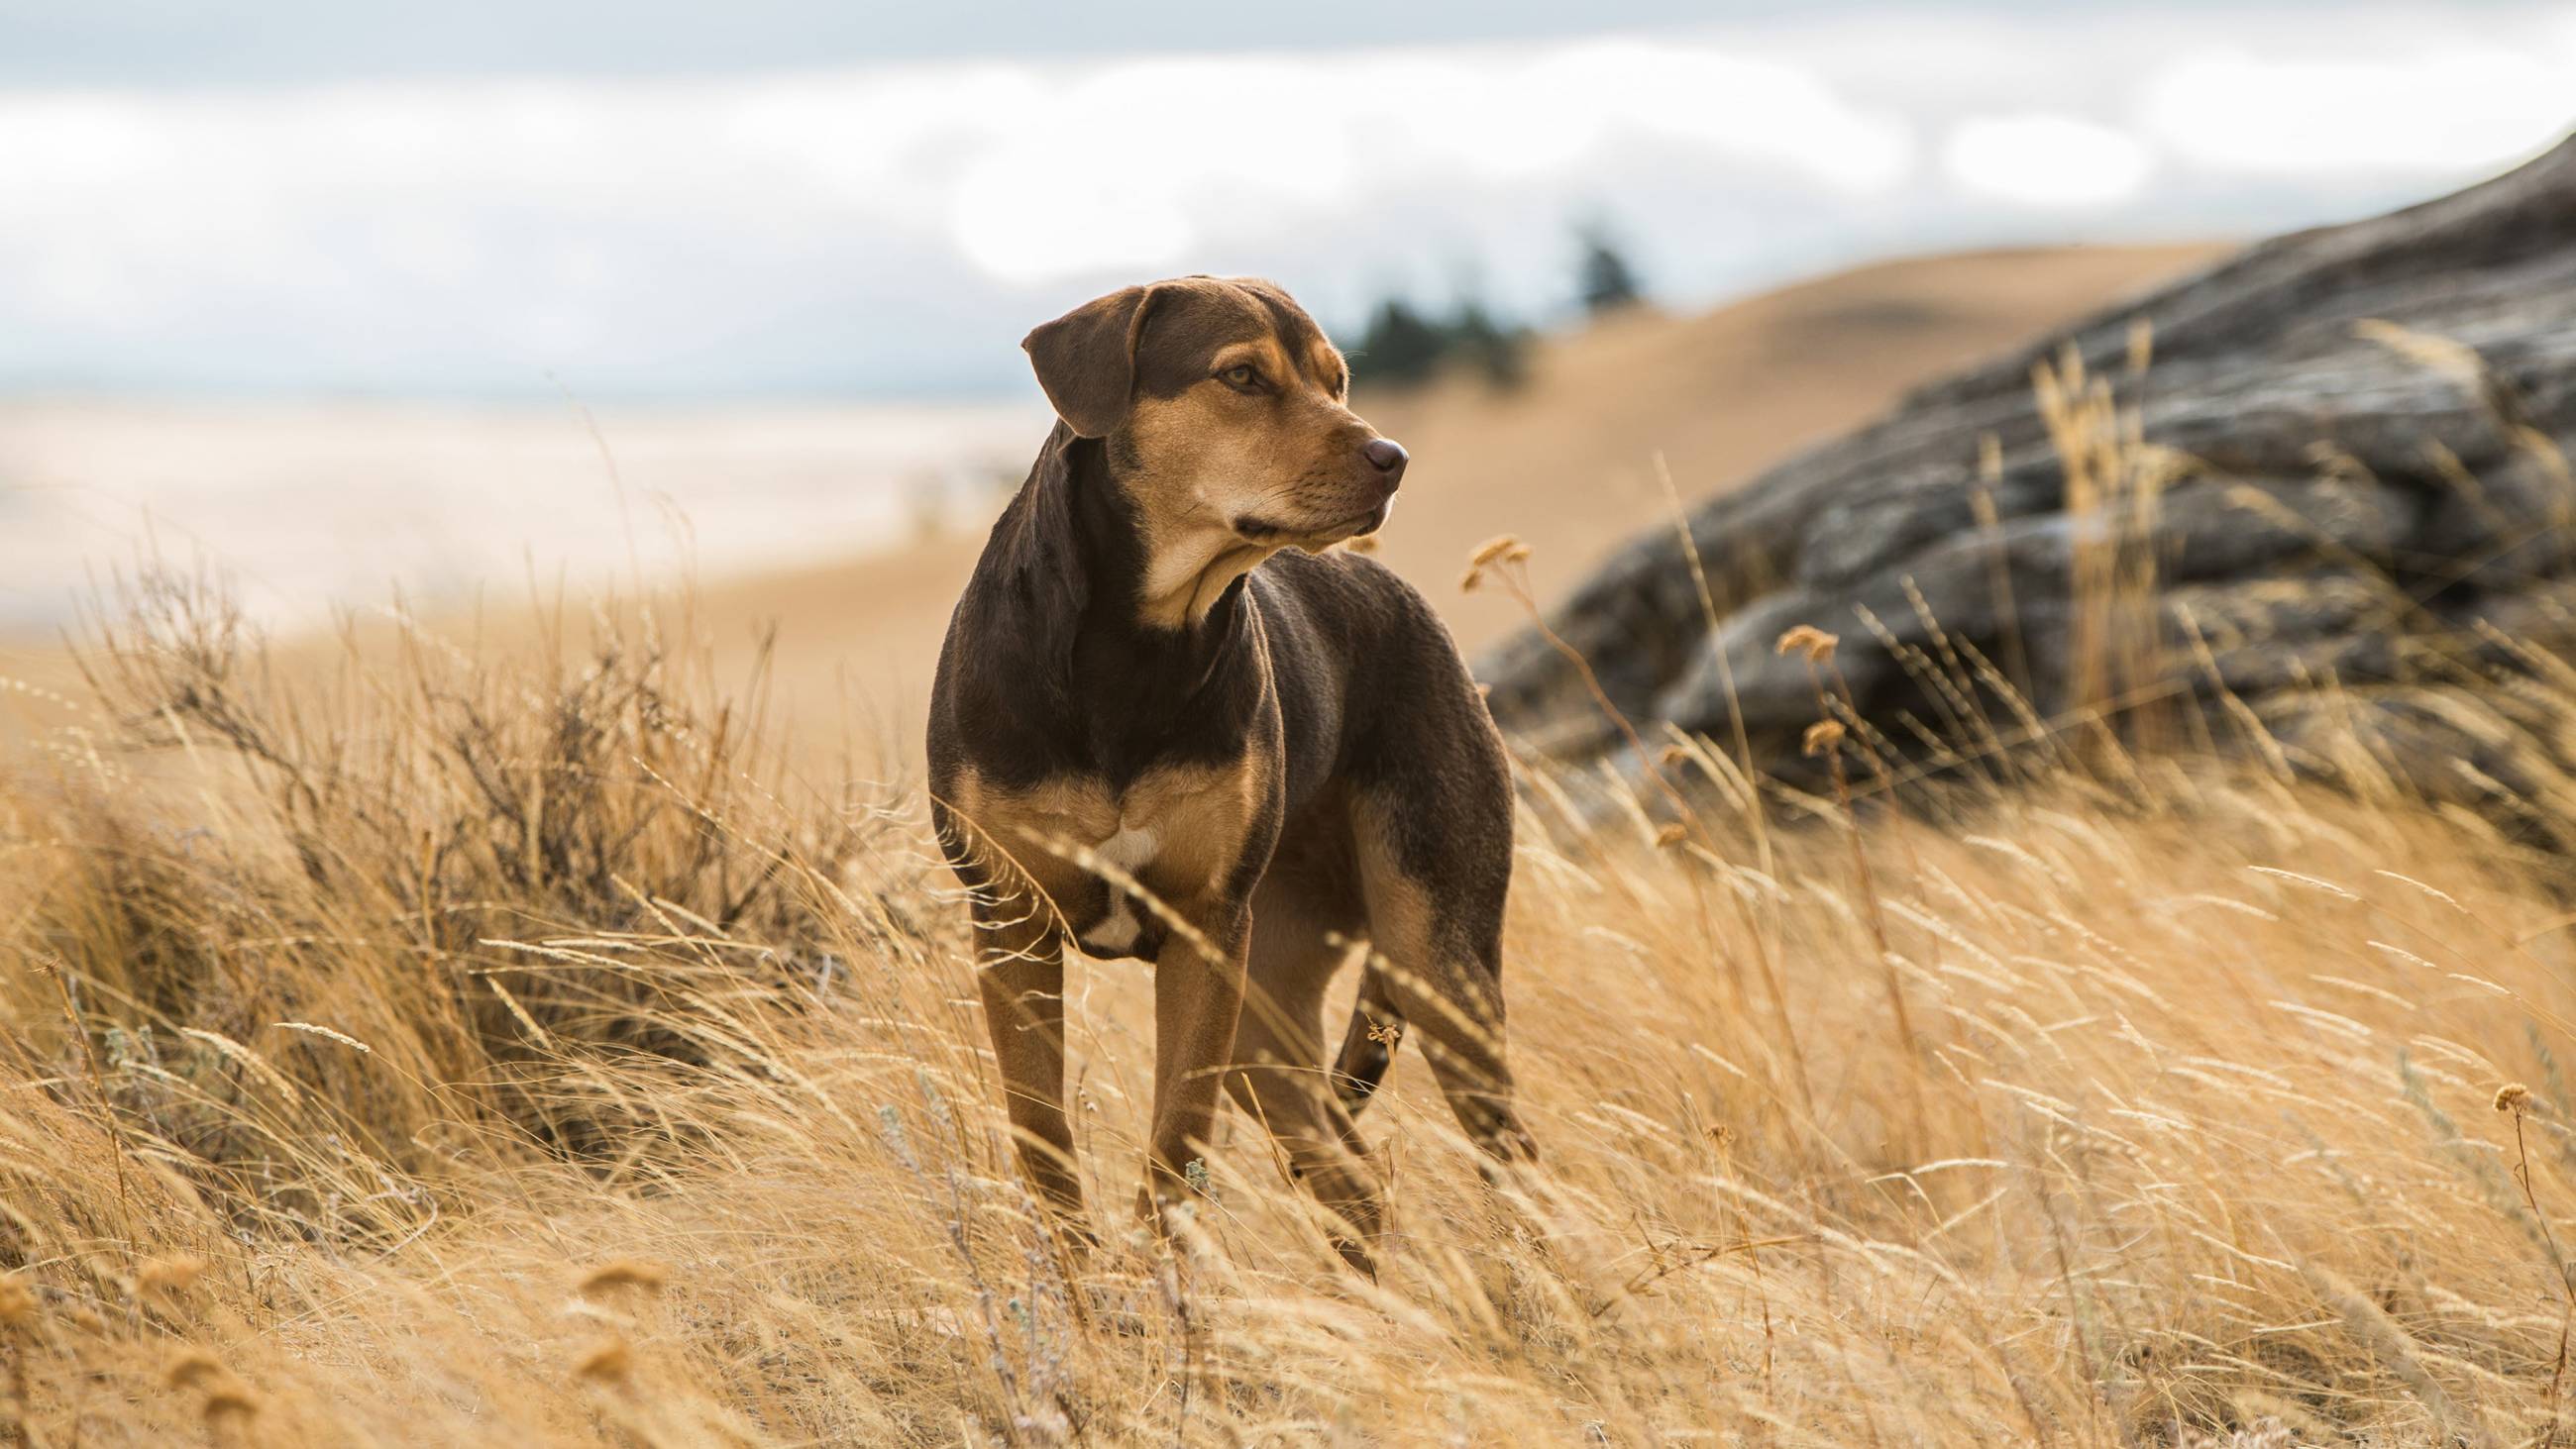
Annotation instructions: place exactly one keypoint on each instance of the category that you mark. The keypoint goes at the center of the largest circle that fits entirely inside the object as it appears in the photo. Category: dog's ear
(1086, 360)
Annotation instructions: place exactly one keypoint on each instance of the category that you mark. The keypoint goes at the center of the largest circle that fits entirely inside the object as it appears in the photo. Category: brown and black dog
(1168, 725)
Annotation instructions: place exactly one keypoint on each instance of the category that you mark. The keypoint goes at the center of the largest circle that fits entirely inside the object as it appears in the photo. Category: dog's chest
(1175, 832)
(1130, 852)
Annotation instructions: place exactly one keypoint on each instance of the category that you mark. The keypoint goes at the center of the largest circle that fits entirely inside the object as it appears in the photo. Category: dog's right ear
(1086, 360)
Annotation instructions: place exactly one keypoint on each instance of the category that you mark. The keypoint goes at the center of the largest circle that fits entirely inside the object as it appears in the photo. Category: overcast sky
(647, 198)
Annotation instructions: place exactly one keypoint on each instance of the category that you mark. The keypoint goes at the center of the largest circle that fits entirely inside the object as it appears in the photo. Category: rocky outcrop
(2323, 481)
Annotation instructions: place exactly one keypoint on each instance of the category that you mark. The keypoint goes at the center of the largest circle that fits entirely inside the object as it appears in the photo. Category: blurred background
(343, 297)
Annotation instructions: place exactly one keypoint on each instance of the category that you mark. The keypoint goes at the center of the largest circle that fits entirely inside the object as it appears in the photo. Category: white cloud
(2046, 160)
(898, 225)
(1130, 165)
(2447, 107)
(1034, 172)
(1133, 164)
(1767, 111)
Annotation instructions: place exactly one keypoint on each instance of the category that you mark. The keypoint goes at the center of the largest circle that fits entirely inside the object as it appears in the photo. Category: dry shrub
(373, 901)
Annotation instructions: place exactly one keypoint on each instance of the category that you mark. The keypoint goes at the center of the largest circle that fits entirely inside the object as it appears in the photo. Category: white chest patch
(1131, 850)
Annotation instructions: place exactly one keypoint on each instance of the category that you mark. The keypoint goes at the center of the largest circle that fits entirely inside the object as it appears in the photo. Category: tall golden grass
(476, 1047)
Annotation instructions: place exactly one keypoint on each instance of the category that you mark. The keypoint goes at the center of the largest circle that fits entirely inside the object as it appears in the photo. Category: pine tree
(1399, 347)
(1606, 281)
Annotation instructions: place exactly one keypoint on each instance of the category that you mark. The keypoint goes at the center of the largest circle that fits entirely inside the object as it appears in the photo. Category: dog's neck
(1050, 647)
(1188, 578)
(1173, 576)
(1091, 564)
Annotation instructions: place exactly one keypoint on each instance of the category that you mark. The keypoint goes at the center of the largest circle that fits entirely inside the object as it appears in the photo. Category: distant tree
(1501, 353)
(1605, 280)
(1400, 346)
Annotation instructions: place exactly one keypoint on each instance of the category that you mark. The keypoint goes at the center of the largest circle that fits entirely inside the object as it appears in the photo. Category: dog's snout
(1385, 455)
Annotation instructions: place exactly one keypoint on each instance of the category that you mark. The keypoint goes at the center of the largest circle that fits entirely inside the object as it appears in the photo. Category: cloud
(2444, 108)
(896, 227)
(2046, 160)
(1135, 164)
(567, 221)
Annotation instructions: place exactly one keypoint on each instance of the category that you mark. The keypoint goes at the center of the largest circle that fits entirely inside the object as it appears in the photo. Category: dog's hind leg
(1369, 1043)
(1435, 906)
(1279, 1077)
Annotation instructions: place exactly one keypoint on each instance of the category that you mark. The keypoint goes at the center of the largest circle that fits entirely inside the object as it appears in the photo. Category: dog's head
(1222, 408)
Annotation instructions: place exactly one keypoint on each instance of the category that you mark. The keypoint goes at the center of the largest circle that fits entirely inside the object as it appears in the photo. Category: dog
(1172, 722)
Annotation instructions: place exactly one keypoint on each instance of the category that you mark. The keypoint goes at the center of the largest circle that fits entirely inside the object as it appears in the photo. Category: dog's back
(1360, 660)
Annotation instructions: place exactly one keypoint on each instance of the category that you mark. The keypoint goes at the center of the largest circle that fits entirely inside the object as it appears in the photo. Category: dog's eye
(1243, 375)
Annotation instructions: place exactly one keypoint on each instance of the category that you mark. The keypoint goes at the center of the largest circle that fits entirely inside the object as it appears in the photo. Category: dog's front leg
(1198, 999)
(1020, 970)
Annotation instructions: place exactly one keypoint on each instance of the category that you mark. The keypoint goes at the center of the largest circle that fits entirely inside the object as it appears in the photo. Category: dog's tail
(1368, 1047)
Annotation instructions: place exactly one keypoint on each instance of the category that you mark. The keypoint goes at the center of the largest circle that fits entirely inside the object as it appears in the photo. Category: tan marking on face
(1188, 821)
(1264, 353)
(1324, 361)
(1212, 457)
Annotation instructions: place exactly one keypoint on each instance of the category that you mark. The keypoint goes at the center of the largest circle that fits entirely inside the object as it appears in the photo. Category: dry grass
(487, 1050)
(505, 1047)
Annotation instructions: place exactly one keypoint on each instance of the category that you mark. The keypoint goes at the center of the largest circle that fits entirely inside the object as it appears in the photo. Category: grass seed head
(625, 1273)
(609, 1361)
(190, 1367)
(1501, 549)
(167, 1277)
(1815, 643)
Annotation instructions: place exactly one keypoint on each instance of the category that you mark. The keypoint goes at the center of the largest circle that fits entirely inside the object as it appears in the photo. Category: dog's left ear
(1086, 360)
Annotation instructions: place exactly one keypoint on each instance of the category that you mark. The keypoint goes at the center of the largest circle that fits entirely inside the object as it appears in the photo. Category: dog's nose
(1385, 455)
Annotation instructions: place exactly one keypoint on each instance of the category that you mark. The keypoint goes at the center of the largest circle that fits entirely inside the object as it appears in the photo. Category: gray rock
(2367, 428)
